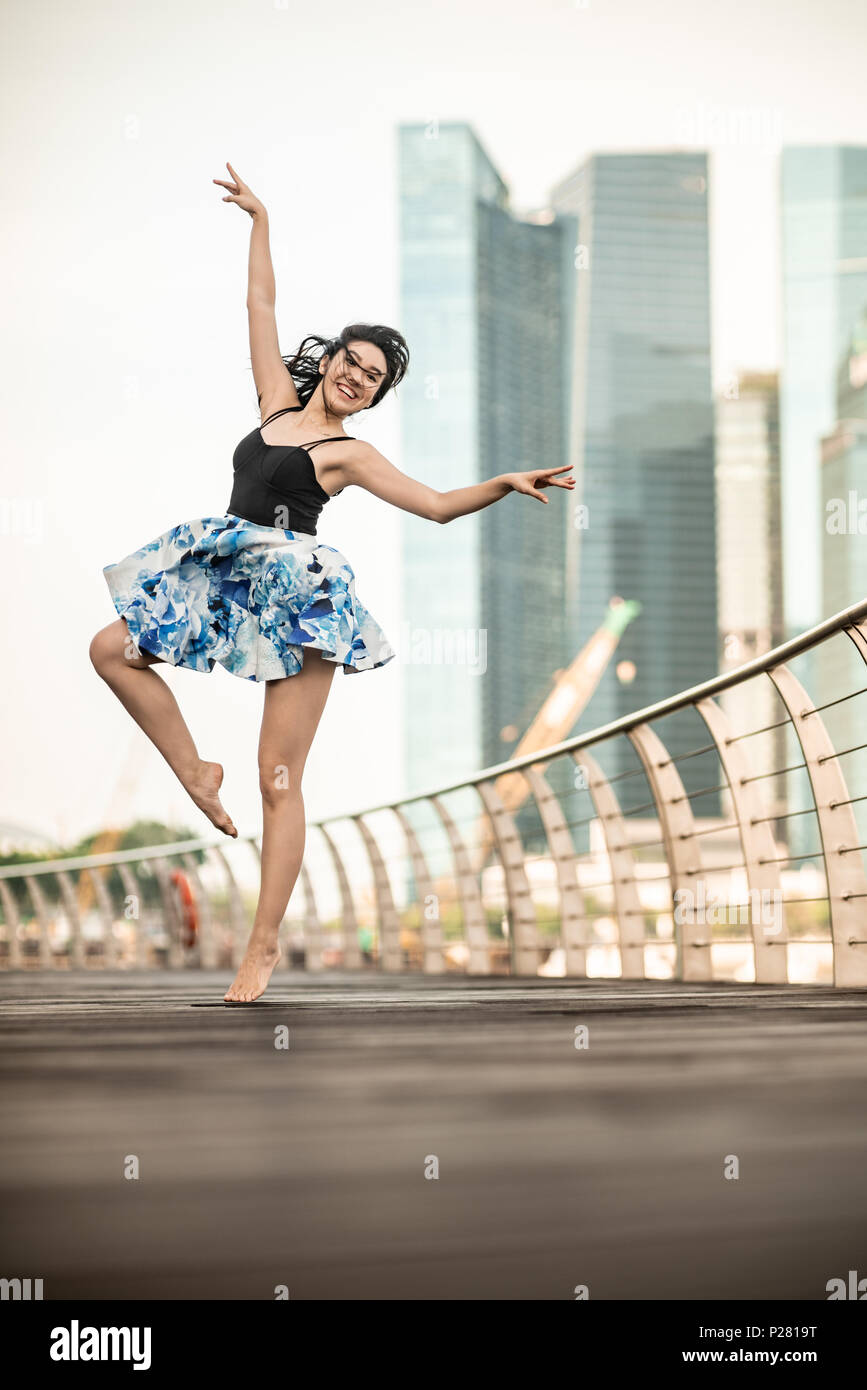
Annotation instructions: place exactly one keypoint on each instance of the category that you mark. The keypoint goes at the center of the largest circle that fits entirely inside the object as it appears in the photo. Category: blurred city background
(674, 302)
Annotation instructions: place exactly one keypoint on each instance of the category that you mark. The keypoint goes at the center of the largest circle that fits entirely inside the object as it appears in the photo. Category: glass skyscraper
(843, 489)
(843, 518)
(642, 432)
(523, 378)
(486, 315)
(842, 526)
(824, 264)
(749, 549)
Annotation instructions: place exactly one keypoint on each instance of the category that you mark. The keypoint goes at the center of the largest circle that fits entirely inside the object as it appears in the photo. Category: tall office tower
(824, 262)
(524, 382)
(749, 554)
(843, 512)
(642, 435)
(843, 540)
(485, 314)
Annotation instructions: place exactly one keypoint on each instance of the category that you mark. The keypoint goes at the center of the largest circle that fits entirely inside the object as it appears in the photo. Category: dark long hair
(303, 365)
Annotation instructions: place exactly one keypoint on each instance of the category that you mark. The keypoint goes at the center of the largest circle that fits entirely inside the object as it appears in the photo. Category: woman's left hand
(532, 482)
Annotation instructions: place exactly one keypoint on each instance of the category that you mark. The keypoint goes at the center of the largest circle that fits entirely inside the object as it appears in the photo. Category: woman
(254, 590)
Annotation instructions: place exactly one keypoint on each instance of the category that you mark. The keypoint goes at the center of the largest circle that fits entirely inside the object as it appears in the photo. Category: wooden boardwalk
(305, 1166)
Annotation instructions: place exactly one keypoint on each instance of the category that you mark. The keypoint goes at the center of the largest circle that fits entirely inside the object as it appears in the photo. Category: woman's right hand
(242, 195)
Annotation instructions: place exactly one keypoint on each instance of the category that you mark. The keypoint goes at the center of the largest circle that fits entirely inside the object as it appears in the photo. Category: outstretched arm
(366, 467)
(274, 386)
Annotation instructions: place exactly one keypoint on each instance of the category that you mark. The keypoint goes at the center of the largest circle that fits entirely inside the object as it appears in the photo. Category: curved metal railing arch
(454, 927)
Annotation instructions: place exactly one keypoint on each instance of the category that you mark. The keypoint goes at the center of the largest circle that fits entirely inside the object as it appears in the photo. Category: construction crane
(569, 696)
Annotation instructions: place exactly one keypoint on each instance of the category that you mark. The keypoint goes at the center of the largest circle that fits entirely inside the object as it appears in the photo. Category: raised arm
(274, 386)
(366, 467)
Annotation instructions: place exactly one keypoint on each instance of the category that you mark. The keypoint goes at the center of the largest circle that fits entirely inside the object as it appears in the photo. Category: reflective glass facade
(486, 317)
(749, 548)
(642, 429)
(824, 264)
(523, 366)
(843, 482)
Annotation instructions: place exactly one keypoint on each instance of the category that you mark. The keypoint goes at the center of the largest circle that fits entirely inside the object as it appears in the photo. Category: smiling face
(352, 377)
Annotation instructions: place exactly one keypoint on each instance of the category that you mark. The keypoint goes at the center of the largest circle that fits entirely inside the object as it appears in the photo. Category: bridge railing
(720, 833)
(163, 905)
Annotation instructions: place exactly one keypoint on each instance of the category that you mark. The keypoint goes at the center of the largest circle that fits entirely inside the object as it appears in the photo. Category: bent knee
(278, 781)
(113, 647)
(103, 649)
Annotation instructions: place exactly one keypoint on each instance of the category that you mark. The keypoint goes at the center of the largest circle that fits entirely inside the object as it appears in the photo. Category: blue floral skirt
(223, 590)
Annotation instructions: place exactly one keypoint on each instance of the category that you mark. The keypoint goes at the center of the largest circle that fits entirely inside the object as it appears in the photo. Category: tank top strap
(285, 411)
(330, 440)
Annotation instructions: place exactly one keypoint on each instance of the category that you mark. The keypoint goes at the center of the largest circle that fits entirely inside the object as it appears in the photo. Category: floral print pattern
(251, 598)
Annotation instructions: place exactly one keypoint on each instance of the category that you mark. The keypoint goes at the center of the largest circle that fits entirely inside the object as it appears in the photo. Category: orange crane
(569, 696)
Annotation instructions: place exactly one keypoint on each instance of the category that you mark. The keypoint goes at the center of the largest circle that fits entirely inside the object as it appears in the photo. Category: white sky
(125, 356)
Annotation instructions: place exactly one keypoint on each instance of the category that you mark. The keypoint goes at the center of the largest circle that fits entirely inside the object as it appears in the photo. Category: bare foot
(254, 972)
(204, 788)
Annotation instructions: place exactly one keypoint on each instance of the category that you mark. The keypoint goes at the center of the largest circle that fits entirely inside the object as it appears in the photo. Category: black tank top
(275, 484)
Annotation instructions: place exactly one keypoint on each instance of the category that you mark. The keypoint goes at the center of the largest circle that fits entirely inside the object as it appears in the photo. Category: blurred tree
(139, 835)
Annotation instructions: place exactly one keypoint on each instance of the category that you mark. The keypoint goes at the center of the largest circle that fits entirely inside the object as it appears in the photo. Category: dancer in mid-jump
(254, 590)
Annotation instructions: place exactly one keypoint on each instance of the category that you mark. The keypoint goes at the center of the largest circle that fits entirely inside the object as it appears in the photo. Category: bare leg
(293, 708)
(154, 708)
